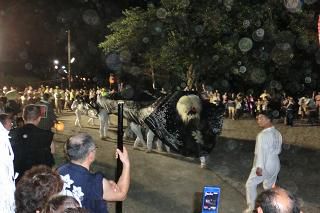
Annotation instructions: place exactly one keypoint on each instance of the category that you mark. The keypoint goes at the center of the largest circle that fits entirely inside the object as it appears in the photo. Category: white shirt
(268, 147)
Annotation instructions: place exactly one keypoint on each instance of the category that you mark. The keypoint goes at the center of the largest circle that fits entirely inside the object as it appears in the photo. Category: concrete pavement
(171, 183)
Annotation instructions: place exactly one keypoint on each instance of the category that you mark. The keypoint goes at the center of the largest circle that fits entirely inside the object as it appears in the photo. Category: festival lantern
(59, 126)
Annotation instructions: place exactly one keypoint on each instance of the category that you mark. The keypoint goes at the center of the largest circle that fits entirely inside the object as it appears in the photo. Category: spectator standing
(317, 99)
(31, 145)
(92, 189)
(266, 165)
(302, 107)
(7, 175)
(238, 108)
(277, 200)
(231, 106)
(215, 97)
(59, 203)
(3, 101)
(48, 117)
(265, 95)
(289, 111)
(35, 188)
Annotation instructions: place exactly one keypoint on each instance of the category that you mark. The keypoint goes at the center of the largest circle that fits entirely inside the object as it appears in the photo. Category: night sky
(33, 33)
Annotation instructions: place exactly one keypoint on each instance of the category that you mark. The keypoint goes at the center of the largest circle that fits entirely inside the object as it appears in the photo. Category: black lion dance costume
(187, 124)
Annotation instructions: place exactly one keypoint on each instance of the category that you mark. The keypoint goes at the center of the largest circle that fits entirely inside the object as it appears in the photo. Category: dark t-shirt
(86, 187)
(31, 146)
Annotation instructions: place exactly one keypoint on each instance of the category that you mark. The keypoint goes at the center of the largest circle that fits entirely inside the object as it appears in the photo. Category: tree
(230, 45)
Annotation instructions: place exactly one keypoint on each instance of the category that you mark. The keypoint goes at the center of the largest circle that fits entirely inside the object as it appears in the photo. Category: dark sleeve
(18, 150)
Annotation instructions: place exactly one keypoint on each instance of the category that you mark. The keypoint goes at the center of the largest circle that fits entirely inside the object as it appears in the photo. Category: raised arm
(118, 191)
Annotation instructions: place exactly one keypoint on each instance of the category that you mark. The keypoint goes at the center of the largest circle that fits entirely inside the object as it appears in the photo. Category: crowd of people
(283, 106)
(30, 184)
(30, 181)
(27, 179)
(237, 104)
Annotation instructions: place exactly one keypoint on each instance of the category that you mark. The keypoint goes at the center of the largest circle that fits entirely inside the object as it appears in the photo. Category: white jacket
(7, 175)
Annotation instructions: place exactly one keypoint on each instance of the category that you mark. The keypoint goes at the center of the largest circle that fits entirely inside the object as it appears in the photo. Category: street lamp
(70, 60)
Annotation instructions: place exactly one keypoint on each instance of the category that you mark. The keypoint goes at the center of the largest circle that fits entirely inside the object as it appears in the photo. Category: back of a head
(76, 210)
(3, 118)
(277, 200)
(31, 112)
(35, 187)
(78, 147)
(46, 96)
(59, 203)
(268, 114)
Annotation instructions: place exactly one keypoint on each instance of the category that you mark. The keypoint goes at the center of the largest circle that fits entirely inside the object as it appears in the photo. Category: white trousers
(78, 118)
(268, 178)
(150, 137)
(137, 130)
(104, 123)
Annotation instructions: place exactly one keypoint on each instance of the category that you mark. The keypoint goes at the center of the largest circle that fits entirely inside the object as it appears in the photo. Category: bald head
(79, 146)
(277, 200)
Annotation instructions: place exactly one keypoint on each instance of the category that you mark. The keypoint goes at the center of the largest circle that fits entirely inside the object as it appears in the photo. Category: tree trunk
(191, 78)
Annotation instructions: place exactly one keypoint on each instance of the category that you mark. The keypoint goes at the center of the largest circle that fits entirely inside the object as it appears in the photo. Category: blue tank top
(86, 187)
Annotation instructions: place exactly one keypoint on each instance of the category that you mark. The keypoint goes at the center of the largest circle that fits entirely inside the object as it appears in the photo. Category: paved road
(169, 183)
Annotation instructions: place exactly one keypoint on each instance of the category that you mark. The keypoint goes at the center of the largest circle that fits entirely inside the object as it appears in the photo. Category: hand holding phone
(210, 200)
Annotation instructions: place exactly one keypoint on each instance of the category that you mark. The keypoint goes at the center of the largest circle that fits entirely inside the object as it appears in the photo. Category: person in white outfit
(77, 106)
(266, 164)
(7, 175)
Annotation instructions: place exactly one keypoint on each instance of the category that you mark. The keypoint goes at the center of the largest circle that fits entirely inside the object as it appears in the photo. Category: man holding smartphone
(266, 164)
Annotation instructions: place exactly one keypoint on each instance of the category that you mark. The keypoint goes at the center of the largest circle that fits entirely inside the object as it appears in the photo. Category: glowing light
(56, 62)
(245, 44)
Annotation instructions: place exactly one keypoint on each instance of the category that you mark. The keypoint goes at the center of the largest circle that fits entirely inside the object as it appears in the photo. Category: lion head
(189, 108)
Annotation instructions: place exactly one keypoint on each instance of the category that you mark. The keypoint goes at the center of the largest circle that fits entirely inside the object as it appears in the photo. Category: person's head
(264, 119)
(80, 148)
(46, 96)
(31, 114)
(6, 121)
(59, 203)
(3, 100)
(277, 200)
(76, 210)
(35, 187)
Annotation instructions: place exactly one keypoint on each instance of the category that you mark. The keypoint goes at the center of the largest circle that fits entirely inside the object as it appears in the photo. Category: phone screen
(210, 201)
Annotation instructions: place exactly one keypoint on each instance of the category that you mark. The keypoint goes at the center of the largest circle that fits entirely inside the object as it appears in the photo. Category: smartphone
(210, 200)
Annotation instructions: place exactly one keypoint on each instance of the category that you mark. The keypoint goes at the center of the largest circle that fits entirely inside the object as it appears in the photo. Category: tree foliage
(230, 45)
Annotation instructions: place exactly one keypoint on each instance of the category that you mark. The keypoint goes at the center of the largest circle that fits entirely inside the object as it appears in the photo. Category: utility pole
(69, 59)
